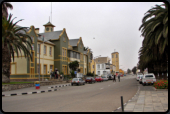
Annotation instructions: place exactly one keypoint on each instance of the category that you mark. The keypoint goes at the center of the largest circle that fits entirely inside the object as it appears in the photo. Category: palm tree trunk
(6, 59)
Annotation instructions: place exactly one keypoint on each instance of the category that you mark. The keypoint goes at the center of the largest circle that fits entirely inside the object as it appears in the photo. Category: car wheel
(72, 84)
(143, 84)
(83, 83)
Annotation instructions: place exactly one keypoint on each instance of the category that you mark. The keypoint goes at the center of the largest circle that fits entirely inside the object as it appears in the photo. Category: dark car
(110, 77)
(90, 80)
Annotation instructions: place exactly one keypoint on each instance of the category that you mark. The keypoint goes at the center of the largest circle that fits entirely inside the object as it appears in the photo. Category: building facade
(115, 60)
(55, 50)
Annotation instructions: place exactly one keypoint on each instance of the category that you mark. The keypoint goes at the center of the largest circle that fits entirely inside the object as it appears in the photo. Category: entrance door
(32, 74)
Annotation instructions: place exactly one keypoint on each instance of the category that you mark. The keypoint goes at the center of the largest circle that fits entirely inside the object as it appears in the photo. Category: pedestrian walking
(119, 77)
(56, 74)
(114, 78)
(51, 74)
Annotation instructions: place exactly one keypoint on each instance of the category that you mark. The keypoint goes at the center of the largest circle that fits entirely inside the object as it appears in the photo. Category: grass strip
(16, 83)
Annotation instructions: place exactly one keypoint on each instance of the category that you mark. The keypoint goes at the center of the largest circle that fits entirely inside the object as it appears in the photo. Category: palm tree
(154, 51)
(5, 6)
(86, 48)
(13, 40)
(155, 27)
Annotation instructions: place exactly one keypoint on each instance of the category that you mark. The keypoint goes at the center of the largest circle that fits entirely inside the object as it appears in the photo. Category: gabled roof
(49, 24)
(51, 35)
(21, 31)
(39, 38)
(73, 42)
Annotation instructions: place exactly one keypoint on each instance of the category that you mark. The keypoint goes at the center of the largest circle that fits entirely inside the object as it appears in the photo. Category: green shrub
(162, 84)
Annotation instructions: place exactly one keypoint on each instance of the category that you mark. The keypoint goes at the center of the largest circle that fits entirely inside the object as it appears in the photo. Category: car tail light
(77, 81)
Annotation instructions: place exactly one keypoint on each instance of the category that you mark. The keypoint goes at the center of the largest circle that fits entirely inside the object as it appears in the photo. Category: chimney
(37, 30)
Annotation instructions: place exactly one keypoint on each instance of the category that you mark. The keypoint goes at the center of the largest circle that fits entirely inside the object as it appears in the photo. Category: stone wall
(9, 87)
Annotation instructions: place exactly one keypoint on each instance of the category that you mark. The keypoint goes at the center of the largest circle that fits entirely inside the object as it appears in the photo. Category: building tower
(49, 27)
(115, 60)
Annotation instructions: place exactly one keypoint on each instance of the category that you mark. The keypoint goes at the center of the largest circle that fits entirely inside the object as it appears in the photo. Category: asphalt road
(97, 97)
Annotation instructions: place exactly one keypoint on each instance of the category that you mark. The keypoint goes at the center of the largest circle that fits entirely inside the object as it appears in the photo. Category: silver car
(77, 81)
(105, 78)
(140, 79)
(138, 75)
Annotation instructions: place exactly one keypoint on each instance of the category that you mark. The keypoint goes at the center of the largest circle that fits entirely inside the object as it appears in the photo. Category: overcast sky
(114, 25)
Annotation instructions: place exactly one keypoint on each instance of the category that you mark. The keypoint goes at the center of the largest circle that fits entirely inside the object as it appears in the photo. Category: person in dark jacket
(119, 77)
(114, 78)
(56, 74)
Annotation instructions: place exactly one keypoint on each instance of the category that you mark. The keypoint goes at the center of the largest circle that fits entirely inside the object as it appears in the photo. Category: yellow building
(115, 60)
(93, 66)
(121, 71)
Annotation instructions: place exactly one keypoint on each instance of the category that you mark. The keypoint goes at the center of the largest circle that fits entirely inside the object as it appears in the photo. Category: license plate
(149, 82)
(74, 82)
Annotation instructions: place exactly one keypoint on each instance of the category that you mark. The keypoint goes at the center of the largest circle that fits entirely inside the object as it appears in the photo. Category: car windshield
(88, 78)
(103, 77)
(149, 76)
(75, 79)
(97, 77)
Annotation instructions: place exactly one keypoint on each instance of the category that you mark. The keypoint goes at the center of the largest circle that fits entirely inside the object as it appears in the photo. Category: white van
(138, 75)
(148, 79)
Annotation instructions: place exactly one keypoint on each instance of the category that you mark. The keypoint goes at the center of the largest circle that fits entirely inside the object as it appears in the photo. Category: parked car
(90, 80)
(99, 79)
(148, 79)
(77, 81)
(138, 75)
(140, 79)
(105, 78)
(110, 77)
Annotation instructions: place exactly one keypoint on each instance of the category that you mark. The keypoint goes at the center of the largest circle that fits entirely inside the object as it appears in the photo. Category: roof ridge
(51, 32)
(73, 39)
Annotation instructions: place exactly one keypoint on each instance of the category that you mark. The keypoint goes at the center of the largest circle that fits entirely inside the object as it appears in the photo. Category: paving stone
(158, 107)
(165, 106)
(148, 104)
(148, 109)
(148, 100)
(138, 107)
(159, 110)
(141, 95)
(129, 106)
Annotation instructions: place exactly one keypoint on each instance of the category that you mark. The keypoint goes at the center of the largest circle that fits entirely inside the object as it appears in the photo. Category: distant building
(115, 60)
(103, 66)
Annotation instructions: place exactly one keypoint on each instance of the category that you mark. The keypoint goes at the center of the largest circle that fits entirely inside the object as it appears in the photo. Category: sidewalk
(32, 90)
(147, 101)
